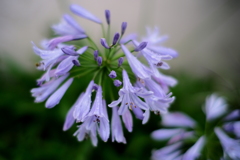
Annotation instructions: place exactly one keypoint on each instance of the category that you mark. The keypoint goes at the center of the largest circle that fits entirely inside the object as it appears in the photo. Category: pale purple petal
(164, 51)
(177, 119)
(97, 107)
(73, 23)
(194, 152)
(139, 69)
(104, 129)
(163, 134)
(78, 10)
(233, 115)
(115, 103)
(181, 136)
(69, 120)
(168, 152)
(146, 116)
(65, 66)
(42, 93)
(55, 41)
(83, 106)
(82, 50)
(127, 120)
(55, 98)
(117, 131)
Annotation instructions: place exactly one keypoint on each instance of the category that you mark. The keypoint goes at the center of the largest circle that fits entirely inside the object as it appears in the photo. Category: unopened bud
(115, 38)
(112, 74)
(120, 61)
(124, 26)
(99, 60)
(104, 43)
(117, 83)
(107, 15)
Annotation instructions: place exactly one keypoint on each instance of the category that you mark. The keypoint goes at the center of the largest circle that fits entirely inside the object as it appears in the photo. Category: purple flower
(78, 10)
(50, 58)
(231, 147)
(66, 65)
(151, 57)
(137, 67)
(42, 93)
(55, 98)
(83, 133)
(112, 74)
(129, 96)
(117, 131)
(98, 117)
(164, 81)
(95, 121)
(83, 104)
(215, 106)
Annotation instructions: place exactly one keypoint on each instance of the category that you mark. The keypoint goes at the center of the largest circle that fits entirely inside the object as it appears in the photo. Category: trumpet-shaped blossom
(129, 96)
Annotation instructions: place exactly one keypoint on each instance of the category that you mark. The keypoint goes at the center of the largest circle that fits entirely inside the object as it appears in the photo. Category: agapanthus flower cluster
(113, 66)
(180, 131)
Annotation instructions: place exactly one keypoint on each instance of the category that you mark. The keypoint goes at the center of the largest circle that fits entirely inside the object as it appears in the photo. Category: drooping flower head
(99, 69)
